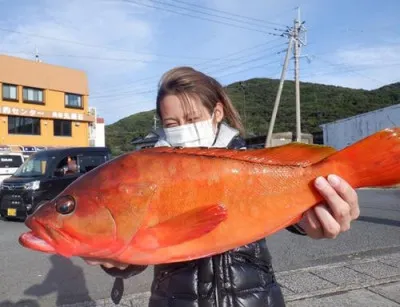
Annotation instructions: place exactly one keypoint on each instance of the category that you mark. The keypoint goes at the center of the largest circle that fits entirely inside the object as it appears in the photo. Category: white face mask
(192, 135)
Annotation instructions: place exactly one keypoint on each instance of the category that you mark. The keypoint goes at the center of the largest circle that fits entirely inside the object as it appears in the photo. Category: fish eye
(65, 204)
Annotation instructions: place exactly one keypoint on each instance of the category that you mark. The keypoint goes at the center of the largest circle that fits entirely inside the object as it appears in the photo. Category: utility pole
(155, 122)
(268, 142)
(296, 75)
(243, 86)
(295, 37)
(37, 59)
(298, 30)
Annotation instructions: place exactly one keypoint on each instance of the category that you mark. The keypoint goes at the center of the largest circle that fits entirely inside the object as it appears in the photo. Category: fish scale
(163, 205)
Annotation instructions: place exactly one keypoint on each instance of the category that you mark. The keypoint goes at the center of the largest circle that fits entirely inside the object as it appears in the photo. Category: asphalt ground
(372, 281)
(33, 279)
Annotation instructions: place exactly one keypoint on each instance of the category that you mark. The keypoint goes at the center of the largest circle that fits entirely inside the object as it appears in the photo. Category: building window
(23, 125)
(73, 101)
(62, 127)
(10, 92)
(33, 95)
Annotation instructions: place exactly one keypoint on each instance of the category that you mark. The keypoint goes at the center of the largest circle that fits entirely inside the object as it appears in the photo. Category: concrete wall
(345, 132)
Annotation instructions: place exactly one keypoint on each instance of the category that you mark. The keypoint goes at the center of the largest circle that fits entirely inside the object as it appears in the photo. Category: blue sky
(126, 45)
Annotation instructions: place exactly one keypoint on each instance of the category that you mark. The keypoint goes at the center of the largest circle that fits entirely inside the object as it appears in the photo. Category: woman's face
(173, 114)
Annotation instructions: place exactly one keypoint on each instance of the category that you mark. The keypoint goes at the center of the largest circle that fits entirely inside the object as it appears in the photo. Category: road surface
(46, 280)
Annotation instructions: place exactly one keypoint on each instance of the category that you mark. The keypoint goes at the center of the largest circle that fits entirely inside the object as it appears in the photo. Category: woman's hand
(107, 264)
(330, 219)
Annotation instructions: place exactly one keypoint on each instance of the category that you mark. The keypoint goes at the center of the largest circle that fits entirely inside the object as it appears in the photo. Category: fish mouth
(37, 239)
(45, 239)
(31, 241)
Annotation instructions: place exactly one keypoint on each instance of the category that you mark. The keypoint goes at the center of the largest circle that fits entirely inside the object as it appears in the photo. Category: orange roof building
(43, 104)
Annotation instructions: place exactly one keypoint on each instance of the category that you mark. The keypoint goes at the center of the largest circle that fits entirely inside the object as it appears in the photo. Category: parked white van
(9, 163)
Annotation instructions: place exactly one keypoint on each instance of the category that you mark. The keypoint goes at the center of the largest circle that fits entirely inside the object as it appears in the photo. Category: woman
(196, 111)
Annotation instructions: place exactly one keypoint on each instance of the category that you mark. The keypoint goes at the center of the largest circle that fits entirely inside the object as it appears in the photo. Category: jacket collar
(225, 135)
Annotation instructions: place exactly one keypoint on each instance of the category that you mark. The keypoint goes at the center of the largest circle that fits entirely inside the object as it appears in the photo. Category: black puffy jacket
(239, 277)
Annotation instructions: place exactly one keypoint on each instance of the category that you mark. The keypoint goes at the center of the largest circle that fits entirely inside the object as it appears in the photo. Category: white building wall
(100, 139)
(344, 132)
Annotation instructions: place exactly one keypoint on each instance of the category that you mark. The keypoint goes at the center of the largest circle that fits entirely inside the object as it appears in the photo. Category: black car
(44, 175)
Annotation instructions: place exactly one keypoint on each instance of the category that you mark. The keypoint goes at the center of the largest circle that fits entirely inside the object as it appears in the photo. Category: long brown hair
(185, 82)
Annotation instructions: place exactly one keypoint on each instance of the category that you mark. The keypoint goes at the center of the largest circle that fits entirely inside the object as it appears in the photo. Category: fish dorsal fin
(294, 154)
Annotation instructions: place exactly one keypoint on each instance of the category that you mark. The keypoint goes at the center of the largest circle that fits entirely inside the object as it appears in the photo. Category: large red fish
(164, 205)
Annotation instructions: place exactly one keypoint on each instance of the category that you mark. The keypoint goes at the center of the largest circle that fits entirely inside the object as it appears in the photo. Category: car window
(10, 161)
(68, 166)
(35, 166)
(89, 162)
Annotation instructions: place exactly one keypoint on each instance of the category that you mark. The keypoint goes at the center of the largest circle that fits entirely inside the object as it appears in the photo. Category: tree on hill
(254, 100)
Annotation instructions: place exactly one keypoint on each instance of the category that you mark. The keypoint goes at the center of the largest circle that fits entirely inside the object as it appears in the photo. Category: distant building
(97, 133)
(318, 137)
(43, 105)
(278, 139)
(145, 142)
(346, 131)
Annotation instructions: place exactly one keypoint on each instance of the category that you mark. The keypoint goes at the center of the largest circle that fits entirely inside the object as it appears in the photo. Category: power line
(352, 70)
(217, 67)
(242, 63)
(247, 55)
(220, 76)
(122, 94)
(198, 17)
(134, 92)
(90, 45)
(249, 68)
(89, 57)
(202, 65)
(213, 15)
(236, 72)
(345, 65)
(232, 14)
(241, 51)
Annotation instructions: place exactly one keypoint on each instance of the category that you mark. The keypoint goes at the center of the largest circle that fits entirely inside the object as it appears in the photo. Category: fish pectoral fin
(181, 228)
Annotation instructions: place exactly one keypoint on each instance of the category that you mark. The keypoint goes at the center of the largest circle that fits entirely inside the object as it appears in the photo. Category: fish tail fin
(371, 162)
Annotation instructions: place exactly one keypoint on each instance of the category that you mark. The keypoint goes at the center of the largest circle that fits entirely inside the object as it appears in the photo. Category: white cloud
(109, 25)
(148, 34)
(358, 67)
(142, 30)
(375, 55)
(266, 18)
(85, 22)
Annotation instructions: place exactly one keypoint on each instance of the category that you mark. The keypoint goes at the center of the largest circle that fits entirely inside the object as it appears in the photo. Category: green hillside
(319, 104)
